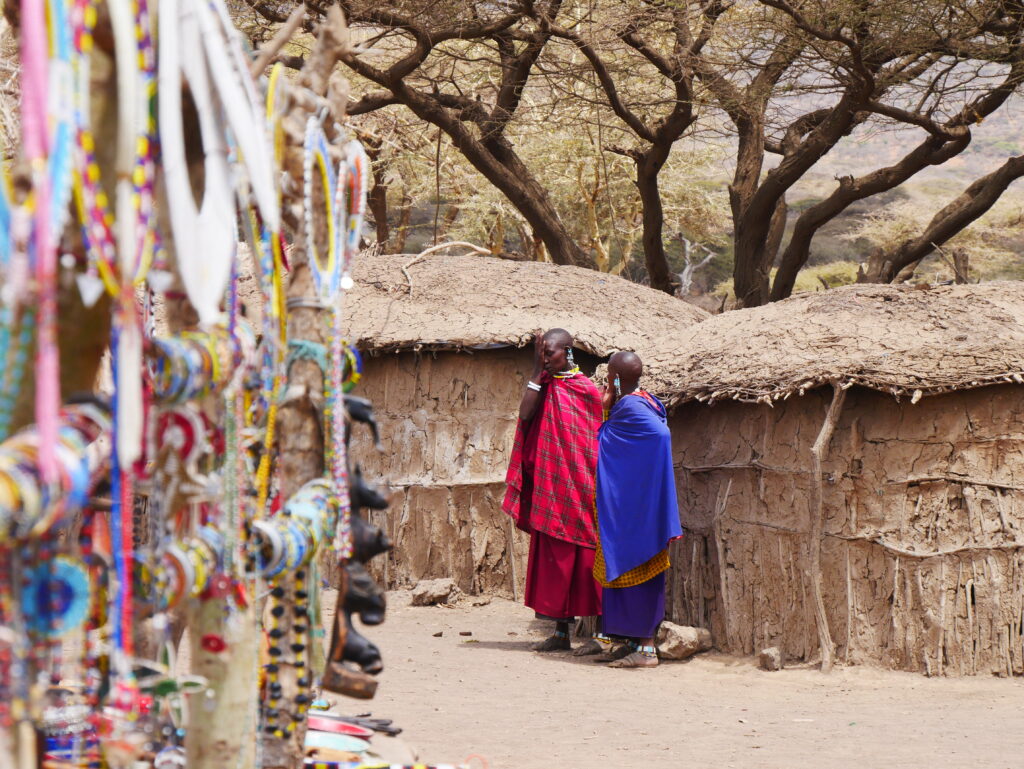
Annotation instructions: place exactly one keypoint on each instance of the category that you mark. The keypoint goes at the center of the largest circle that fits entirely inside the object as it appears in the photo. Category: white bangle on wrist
(533, 386)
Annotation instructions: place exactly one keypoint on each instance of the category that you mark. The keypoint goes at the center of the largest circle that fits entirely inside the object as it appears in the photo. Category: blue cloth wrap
(637, 510)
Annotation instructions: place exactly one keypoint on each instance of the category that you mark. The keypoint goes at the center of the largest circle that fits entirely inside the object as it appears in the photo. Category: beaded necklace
(275, 315)
(567, 374)
(357, 181)
(204, 236)
(60, 103)
(6, 296)
(297, 533)
(14, 367)
(316, 164)
(92, 202)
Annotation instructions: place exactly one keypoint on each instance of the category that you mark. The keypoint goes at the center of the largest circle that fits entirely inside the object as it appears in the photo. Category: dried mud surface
(923, 553)
(890, 338)
(487, 694)
(447, 423)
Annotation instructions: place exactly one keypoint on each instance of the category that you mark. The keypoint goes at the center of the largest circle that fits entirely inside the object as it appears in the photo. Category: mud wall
(447, 421)
(923, 552)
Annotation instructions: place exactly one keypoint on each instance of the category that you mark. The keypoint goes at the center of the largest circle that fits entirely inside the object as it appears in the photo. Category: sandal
(642, 657)
(617, 652)
(598, 644)
(559, 642)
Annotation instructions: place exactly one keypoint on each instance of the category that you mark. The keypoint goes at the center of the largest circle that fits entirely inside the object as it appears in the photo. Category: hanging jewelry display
(169, 522)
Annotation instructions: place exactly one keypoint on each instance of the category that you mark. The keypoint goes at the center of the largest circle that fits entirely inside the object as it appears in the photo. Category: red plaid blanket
(559, 450)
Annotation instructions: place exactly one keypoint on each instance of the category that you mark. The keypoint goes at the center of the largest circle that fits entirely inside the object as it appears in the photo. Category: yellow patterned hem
(645, 571)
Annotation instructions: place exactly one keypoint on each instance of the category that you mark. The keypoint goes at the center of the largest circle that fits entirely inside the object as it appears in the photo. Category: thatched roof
(460, 302)
(900, 340)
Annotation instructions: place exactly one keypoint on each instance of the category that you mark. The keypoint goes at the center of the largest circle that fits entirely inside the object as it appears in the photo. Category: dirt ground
(487, 694)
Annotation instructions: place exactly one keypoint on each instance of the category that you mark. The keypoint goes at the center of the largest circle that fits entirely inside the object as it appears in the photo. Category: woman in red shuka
(551, 479)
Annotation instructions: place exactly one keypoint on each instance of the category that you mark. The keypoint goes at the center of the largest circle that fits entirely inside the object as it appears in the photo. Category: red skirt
(560, 582)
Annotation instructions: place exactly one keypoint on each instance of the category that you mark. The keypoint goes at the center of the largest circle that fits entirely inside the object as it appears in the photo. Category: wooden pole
(817, 525)
(512, 558)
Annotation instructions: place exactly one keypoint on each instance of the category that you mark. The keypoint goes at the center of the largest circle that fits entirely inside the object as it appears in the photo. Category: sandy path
(490, 695)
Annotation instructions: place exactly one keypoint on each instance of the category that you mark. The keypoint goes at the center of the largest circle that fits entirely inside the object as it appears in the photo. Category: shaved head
(560, 336)
(627, 366)
(556, 346)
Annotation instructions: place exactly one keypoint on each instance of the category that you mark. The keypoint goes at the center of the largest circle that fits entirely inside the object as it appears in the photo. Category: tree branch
(970, 205)
(621, 111)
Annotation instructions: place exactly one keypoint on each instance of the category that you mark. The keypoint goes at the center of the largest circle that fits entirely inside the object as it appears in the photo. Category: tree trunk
(300, 448)
(750, 230)
(648, 166)
(758, 236)
(397, 246)
(221, 729)
(378, 202)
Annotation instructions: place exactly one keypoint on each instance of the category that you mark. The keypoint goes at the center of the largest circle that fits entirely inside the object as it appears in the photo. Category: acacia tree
(818, 70)
(786, 82)
(649, 90)
(463, 66)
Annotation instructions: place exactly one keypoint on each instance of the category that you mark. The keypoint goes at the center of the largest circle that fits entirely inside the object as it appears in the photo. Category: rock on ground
(677, 642)
(770, 658)
(429, 592)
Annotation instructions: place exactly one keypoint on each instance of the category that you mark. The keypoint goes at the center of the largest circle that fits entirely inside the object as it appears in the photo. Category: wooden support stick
(716, 528)
(512, 558)
(817, 525)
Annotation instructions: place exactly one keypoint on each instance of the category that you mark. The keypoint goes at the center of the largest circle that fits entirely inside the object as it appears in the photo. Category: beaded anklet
(647, 651)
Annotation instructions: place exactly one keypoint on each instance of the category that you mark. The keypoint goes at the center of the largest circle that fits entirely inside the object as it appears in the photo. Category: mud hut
(447, 345)
(851, 474)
